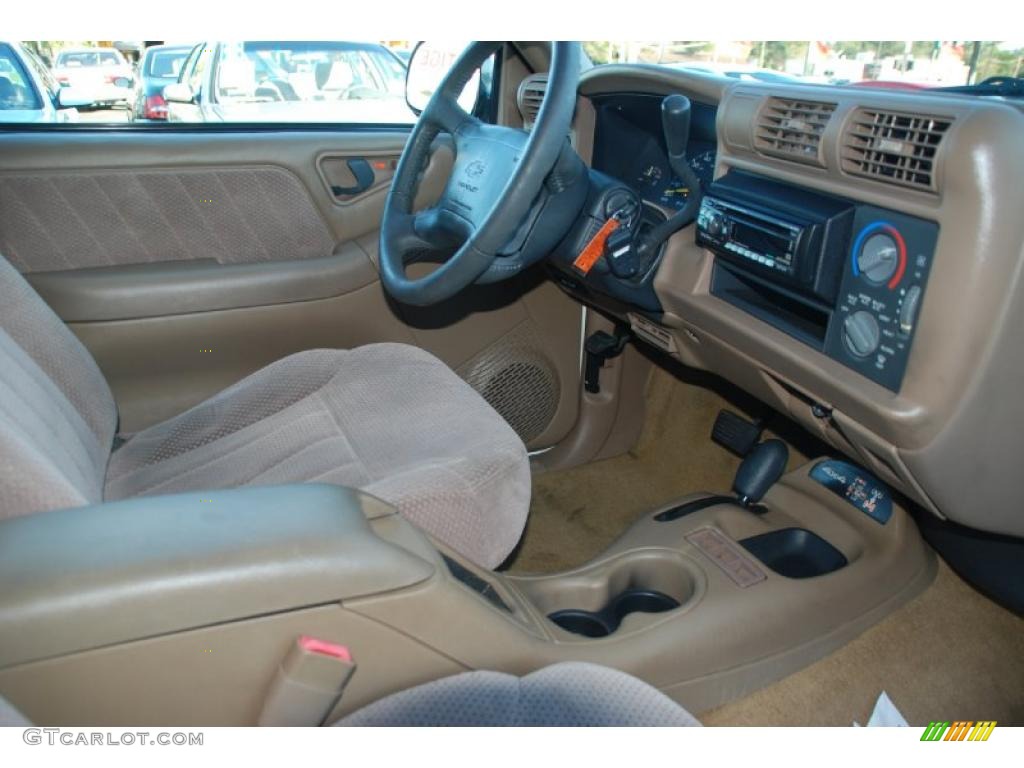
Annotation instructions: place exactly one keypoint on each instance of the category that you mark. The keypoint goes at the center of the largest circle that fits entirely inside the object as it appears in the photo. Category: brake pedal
(735, 433)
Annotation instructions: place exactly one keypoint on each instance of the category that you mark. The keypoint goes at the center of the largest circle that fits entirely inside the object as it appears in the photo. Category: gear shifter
(759, 471)
(675, 124)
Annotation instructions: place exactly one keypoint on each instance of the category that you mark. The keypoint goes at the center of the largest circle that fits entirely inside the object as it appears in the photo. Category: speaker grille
(514, 376)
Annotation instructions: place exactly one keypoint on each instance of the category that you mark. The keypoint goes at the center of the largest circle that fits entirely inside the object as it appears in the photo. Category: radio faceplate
(756, 237)
(780, 232)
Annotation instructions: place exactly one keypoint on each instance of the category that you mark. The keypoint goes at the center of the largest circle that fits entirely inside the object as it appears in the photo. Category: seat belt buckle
(308, 683)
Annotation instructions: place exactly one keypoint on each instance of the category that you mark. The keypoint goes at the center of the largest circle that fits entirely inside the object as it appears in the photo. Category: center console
(845, 278)
(190, 614)
(707, 604)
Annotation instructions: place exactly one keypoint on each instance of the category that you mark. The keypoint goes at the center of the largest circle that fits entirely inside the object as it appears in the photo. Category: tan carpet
(950, 654)
(577, 513)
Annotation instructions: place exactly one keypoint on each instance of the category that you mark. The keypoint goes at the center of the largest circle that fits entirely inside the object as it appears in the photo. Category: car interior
(634, 395)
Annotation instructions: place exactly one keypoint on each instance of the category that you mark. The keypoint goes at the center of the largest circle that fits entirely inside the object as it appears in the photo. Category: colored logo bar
(960, 730)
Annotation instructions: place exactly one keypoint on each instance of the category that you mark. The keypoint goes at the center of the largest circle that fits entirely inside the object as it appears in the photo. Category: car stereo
(761, 238)
(788, 244)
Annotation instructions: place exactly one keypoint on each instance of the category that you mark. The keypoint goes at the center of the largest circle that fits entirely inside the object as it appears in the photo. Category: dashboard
(867, 278)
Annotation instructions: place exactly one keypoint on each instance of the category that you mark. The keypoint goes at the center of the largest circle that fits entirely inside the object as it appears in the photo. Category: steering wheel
(497, 177)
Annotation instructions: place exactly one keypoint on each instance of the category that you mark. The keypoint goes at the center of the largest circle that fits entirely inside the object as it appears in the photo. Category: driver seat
(389, 419)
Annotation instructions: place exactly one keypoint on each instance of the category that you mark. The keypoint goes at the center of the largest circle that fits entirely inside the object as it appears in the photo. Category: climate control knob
(878, 258)
(861, 333)
(880, 255)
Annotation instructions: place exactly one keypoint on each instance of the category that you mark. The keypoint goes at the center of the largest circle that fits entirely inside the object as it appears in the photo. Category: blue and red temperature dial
(880, 255)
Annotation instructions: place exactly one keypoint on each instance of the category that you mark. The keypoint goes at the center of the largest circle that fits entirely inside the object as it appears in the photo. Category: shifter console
(856, 486)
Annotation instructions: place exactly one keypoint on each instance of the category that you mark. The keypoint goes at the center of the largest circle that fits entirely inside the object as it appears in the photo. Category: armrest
(82, 578)
(199, 285)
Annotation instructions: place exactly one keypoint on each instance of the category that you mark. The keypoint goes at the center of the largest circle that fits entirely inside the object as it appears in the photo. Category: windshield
(310, 72)
(907, 65)
(89, 59)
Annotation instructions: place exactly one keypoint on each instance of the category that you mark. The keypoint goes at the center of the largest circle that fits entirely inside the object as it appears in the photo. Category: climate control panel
(880, 293)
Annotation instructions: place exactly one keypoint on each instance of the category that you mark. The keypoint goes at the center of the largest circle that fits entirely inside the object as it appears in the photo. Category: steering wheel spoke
(497, 178)
(431, 230)
(445, 112)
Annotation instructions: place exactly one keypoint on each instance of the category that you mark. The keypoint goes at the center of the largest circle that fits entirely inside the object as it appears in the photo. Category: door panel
(186, 261)
(159, 366)
(95, 156)
(92, 218)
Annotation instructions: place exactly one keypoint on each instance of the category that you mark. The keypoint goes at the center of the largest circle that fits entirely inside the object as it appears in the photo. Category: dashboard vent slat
(530, 96)
(894, 147)
(792, 129)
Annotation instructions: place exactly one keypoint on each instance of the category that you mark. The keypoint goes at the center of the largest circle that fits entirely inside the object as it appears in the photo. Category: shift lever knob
(675, 123)
(759, 471)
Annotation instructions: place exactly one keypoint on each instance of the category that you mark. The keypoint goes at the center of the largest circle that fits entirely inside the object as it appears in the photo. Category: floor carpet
(577, 513)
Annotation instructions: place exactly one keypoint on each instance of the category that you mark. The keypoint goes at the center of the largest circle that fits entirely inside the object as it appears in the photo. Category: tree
(993, 60)
(778, 52)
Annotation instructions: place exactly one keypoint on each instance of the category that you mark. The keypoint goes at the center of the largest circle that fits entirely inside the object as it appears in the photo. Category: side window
(43, 74)
(16, 89)
(327, 81)
(366, 77)
(339, 82)
(392, 71)
(190, 62)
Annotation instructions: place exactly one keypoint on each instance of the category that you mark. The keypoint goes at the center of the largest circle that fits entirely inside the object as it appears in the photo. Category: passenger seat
(571, 694)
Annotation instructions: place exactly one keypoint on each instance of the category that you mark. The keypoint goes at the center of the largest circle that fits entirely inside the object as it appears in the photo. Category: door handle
(363, 174)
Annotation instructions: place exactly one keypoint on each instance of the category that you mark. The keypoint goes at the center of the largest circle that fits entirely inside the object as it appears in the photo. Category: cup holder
(594, 601)
(602, 623)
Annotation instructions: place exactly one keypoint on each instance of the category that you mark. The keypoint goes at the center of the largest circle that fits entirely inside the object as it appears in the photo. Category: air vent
(530, 96)
(792, 128)
(894, 147)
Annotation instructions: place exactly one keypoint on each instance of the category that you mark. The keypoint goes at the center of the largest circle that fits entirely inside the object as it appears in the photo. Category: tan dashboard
(949, 435)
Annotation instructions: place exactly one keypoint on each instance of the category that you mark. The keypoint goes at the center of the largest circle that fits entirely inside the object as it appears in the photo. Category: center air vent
(792, 128)
(894, 147)
(530, 96)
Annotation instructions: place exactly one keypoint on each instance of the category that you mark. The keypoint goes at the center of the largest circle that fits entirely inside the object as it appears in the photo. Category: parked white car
(30, 94)
(336, 81)
(102, 72)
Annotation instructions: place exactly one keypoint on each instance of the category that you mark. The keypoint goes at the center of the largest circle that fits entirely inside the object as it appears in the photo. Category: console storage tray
(795, 553)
